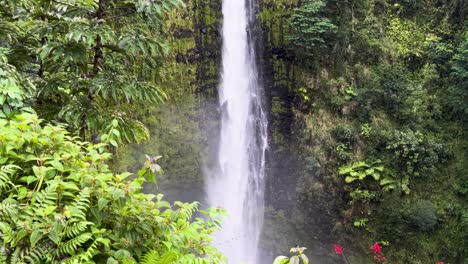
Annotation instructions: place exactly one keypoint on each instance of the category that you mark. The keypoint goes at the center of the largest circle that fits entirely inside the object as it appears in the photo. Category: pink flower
(377, 248)
(440, 262)
(338, 249)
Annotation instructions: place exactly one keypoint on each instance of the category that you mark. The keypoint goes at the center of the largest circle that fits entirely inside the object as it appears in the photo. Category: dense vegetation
(368, 118)
(61, 204)
(377, 99)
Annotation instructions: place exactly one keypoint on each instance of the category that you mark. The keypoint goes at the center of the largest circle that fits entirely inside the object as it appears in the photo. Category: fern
(37, 254)
(8, 210)
(6, 173)
(74, 229)
(3, 253)
(30, 254)
(72, 245)
(7, 232)
(187, 209)
(91, 251)
(80, 206)
(153, 257)
(150, 257)
(81, 211)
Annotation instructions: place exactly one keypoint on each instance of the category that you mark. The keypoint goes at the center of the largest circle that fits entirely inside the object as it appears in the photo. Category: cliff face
(183, 127)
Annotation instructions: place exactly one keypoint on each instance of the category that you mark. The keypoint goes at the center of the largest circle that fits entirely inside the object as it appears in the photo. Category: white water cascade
(238, 185)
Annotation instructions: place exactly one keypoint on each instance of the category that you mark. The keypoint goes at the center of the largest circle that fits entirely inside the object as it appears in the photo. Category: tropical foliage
(89, 60)
(61, 204)
(370, 140)
(368, 128)
(309, 28)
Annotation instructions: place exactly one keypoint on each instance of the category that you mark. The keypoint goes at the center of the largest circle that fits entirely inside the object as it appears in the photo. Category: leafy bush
(344, 134)
(308, 27)
(423, 215)
(11, 88)
(458, 92)
(61, 204)
(361, 170)
(395, 87)
(90, 60)
(414, 152)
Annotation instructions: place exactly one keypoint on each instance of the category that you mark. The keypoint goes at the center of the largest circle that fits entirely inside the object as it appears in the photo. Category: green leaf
(369, 171)
(349, 179)
(281, 260)
(116, 132)
(45, 51)
(112, 260)
(29, 179)
(168, 244)
(379, 168)
(57, 165)
(386, 181)
(294, 260)
(38, 171)
(118, 193)
(376, 176)
(344, 170)
(71, 186)
(102, 202)
(36, 235)
(49, 209)
(304, 258)
(361, 176)
(121, 254)
(113, 143)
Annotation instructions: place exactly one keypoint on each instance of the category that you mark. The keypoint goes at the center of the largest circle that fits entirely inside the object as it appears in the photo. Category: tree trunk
(97, 62)
(462, 13)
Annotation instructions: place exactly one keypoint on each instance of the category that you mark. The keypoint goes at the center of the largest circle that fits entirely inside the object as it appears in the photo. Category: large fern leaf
(6, 174)
(80, 206)
(153, 257)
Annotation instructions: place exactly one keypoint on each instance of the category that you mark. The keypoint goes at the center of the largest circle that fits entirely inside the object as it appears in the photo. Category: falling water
(239, 184)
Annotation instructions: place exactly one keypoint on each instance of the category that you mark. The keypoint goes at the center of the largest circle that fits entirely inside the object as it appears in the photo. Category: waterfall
(238, 185)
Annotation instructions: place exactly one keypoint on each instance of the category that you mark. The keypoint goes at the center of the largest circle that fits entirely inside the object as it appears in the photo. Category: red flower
(338, 249)
(377, 248)
(440, 262)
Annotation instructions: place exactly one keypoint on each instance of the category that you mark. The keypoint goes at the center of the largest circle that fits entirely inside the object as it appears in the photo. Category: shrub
(415, 153)
(423, 215)
(344, 134)
(61, 204)
(308, 27)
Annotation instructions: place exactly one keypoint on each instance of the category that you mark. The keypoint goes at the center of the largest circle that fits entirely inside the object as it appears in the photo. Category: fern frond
(91, 251)
(80, 206)
(8, 210)
(187, 210)
(153, 257)
(150, 257)
(72, 245)
(41, 201)
(37, 254)
(6, 232)
(30, 254)
(74, 229)
(6, 174)
(46, 197)
(3, 253)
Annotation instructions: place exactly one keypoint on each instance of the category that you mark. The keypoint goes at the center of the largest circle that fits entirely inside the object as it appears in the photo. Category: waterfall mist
(238, 185)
